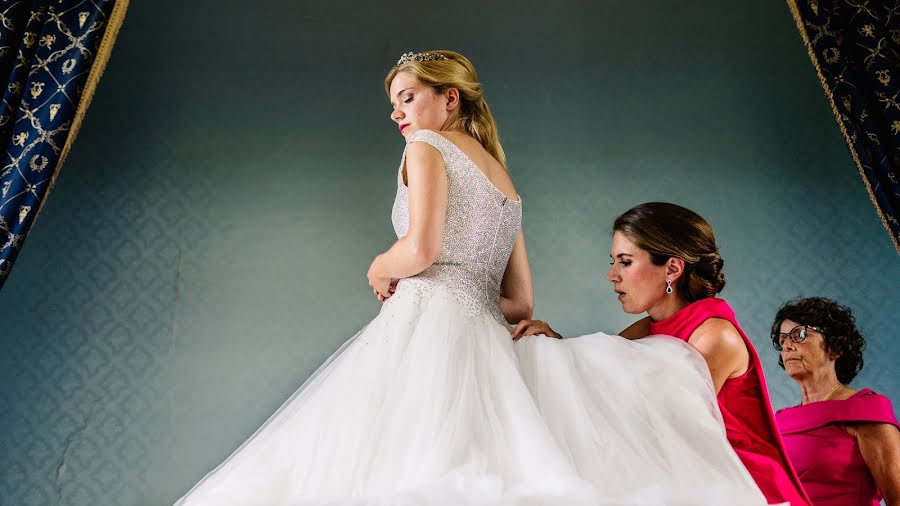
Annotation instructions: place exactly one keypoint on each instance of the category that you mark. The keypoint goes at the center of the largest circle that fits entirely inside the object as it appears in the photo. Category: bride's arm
(517, 289)
(421, 246)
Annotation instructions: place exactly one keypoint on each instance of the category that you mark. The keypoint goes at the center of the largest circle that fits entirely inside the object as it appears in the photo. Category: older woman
(844, 443)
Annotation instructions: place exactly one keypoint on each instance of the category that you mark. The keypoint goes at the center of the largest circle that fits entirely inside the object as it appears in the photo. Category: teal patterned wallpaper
(206, 245)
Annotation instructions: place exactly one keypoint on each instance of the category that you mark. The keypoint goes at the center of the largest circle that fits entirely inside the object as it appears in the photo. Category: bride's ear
(452, 96)
(674, 268)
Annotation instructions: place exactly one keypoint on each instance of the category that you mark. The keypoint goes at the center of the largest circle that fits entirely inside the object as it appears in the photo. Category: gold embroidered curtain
(855, 48)
(52, 53)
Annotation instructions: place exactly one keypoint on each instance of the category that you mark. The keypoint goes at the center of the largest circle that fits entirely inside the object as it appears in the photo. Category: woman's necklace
(827, 396)
(833, 390)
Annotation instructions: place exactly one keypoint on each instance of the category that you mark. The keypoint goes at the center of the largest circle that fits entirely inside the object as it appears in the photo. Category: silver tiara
(410, 56)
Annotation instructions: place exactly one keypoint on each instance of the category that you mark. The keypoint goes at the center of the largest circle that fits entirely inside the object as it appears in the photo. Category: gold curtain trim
(795, 11)
(114, 23)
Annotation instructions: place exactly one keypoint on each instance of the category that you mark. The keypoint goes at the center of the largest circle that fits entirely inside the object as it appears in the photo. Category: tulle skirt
(433, 404)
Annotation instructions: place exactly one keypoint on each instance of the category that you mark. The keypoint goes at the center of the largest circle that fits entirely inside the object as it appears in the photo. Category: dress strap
(683, 323)
(432, 138)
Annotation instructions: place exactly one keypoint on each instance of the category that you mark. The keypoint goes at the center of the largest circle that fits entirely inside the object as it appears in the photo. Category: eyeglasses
(796, 334)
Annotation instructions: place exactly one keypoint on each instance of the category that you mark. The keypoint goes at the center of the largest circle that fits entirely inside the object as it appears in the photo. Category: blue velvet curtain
(855, 47)
(52, 53)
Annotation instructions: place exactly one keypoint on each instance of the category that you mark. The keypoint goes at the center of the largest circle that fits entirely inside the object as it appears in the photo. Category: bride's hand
(391, 288)
(382, 287)
(533, 327)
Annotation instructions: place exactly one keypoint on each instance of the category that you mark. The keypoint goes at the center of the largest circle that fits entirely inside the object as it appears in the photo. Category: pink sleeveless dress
(746, 409)
(827, 458)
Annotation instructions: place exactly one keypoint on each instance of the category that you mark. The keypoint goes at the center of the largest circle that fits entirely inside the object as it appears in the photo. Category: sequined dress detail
(482, 224)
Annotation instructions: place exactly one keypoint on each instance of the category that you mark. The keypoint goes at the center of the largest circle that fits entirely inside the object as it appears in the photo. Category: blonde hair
(456, 71)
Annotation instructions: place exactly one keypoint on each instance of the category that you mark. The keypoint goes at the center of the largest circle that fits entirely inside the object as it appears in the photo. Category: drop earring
(669, 286)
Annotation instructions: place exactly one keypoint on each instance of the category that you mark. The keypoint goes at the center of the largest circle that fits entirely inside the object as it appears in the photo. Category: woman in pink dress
(665, 262)
(844, 443)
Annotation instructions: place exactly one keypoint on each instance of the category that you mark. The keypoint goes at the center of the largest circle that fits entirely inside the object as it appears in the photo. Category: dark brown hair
(838, 326)
(670, 231)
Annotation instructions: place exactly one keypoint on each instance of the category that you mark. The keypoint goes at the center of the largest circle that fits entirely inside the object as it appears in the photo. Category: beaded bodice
(479, 233)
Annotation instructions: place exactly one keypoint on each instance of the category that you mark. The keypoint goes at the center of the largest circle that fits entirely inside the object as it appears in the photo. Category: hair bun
(705, 277)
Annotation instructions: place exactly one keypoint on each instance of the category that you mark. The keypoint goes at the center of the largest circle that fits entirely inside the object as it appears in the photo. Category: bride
(433, 403)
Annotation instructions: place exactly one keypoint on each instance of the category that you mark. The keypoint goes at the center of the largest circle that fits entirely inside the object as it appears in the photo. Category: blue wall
(206, 245)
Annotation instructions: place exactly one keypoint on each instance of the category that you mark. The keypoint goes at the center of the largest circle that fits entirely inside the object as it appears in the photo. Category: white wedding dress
(433, 404)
